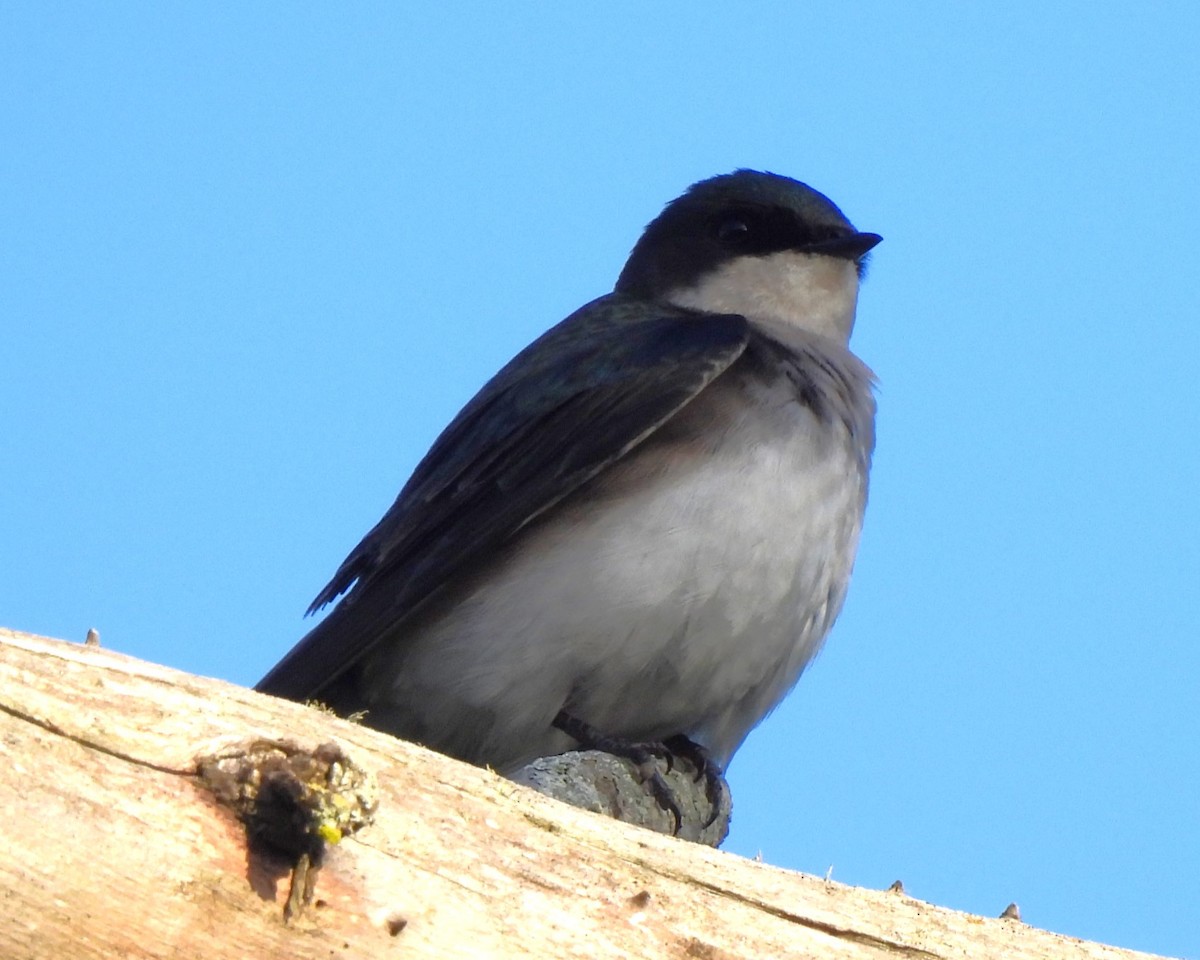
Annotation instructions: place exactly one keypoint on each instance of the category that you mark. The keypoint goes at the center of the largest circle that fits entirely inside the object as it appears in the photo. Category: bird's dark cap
(764, 189)
(744, 213)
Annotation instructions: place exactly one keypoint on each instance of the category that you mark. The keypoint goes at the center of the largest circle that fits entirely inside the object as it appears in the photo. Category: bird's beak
(853, 247)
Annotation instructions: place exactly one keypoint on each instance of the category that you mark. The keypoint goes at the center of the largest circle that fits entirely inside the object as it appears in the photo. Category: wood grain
(112, 847)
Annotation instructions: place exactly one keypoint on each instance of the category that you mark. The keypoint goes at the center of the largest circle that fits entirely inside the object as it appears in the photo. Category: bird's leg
(642, 753)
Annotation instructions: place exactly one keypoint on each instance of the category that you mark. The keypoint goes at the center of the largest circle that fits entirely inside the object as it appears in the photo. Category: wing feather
(573, 402)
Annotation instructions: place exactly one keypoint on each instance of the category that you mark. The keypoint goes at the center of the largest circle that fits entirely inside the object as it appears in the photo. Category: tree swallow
(644, 525)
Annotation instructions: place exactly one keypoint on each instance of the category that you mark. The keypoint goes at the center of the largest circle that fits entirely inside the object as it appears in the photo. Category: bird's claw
(707, 769)
(645, 753)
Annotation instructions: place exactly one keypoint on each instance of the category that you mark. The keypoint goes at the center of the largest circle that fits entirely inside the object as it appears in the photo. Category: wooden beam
(114, 846)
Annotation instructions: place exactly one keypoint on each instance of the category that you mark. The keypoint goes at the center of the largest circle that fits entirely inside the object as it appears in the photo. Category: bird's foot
(707, 769)
(644, 753)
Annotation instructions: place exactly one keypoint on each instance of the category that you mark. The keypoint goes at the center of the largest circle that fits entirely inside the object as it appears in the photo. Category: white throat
(811, 291)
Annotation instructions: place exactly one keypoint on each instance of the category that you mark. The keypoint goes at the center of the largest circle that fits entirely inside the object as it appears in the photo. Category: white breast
(731, 574)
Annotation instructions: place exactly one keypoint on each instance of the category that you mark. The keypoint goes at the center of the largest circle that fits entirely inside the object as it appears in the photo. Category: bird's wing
(570, 404)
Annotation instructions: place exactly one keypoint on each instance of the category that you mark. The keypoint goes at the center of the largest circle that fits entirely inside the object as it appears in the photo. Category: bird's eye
(733, 231)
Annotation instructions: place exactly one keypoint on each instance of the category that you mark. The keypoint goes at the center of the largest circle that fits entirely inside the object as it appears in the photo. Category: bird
(642, 528)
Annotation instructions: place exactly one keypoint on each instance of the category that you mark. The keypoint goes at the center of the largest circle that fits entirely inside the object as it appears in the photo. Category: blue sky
(252, 259)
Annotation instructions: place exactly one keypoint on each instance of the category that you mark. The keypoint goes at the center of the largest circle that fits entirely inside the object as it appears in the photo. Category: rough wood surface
(113, 848)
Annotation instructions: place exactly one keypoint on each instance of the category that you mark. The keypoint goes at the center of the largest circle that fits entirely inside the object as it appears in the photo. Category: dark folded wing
(566, 407)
